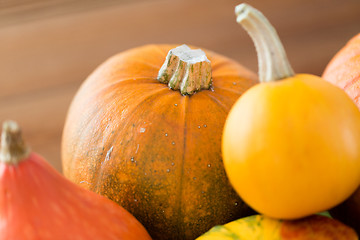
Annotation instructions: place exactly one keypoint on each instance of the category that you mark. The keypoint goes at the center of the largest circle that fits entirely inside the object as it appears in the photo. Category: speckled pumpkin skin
(152, 150)
(344, 69)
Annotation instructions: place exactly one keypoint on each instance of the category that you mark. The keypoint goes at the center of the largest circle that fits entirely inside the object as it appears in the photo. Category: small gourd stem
(12, 149)
(186, 70)
(272, 59)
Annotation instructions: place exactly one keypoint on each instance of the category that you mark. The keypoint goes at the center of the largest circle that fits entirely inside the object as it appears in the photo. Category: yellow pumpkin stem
(13, 149)
(272, 59)
(186, 70)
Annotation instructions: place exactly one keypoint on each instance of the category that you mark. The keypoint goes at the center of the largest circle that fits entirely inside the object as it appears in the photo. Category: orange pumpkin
(344, 69)
(153, 150)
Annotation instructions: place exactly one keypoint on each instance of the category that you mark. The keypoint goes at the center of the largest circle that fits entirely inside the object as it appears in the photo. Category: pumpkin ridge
(136, 80)
(215, 76)
(230, 90)
(147, 64)
(99, 171)
(86, 127)
(351, 82)
(125, 80)
(179, 202)
(218, 102)
(76, 158)
(356, 97)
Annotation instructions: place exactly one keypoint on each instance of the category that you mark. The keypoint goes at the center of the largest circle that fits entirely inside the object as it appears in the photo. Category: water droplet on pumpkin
(205, 125)
(145, 174)
(236, 203)
(175, 104)
(199, 127)
(108, 154)
(209, 165)
(172, 164)
(132, 159)
(166, 134)
(234, 83)
(173, 143)
(135, 200)
(142, 130)
(167, 170)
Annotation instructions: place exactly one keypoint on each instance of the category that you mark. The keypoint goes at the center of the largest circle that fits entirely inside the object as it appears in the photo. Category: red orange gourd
(37, 203)
(131, 136)
(344, 71)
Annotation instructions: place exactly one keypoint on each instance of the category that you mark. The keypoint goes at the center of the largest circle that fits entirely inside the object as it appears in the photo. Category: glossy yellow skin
(259, 227)
(291, 148)
(252, 227)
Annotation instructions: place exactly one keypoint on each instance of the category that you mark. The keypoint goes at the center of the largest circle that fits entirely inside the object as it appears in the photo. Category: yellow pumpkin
(261, 227)
(291, 147)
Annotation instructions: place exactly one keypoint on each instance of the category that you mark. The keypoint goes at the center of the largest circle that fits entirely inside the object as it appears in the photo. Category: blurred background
(49, 47)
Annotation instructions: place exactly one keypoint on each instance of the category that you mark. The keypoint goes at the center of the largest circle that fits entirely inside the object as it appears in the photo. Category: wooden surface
(46, 52)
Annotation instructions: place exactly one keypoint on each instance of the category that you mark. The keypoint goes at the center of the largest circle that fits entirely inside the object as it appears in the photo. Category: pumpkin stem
(13, 149)
(272, 59)
(186, 70)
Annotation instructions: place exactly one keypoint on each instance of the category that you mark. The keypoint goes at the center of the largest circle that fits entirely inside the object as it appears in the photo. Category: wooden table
(46, 53)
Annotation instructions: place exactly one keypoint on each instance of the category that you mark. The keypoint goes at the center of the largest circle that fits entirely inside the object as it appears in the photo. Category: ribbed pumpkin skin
(262, 227)
(152, 150)
(344, 69)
